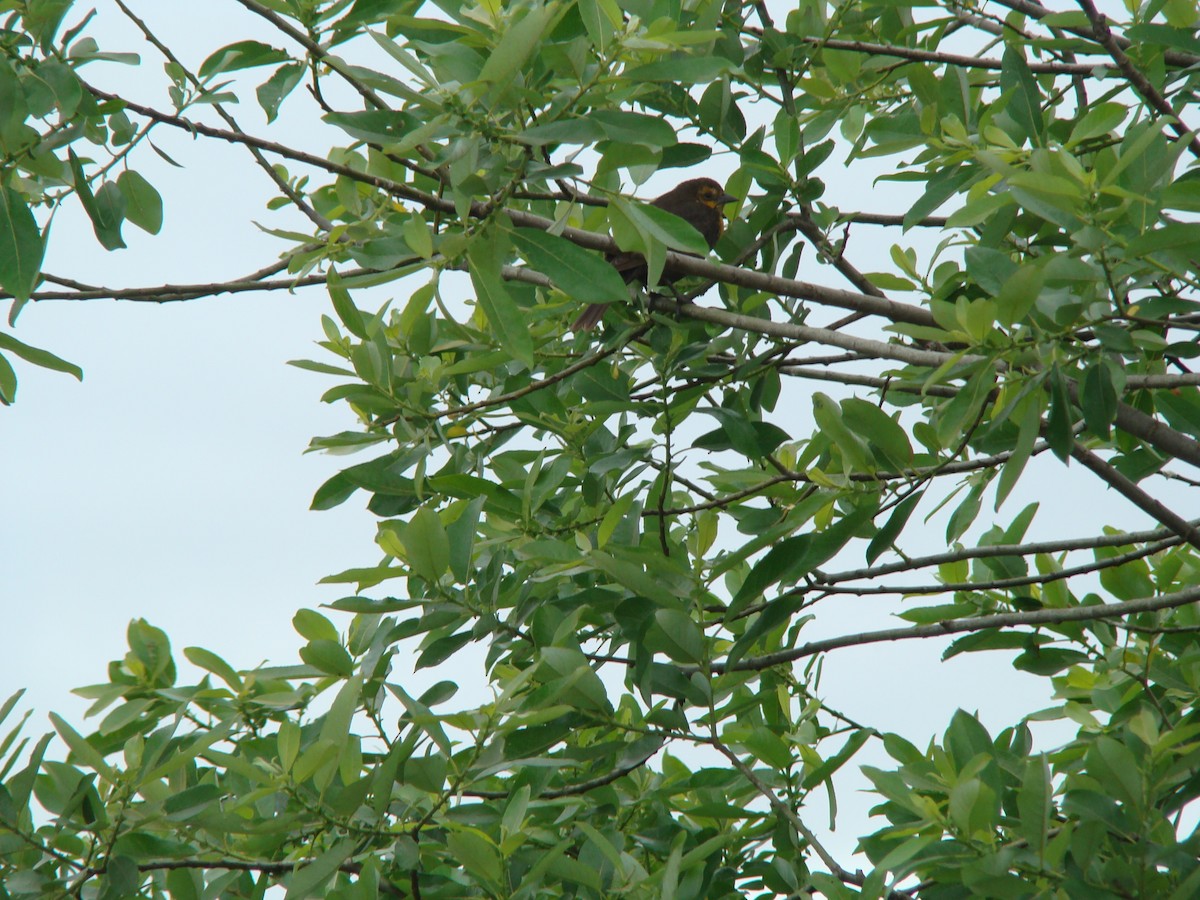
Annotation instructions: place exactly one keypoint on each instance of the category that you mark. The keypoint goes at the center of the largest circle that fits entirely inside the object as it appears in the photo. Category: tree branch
(690, 265)
(1140, 82)
(947, 59)
(1143, 501)
(1035, 618)
(1037, 11)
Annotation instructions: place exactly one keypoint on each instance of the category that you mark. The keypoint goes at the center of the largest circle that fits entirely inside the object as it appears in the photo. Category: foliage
(632, 535)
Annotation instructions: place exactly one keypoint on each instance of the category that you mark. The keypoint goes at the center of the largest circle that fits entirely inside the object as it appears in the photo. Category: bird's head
(710, 193)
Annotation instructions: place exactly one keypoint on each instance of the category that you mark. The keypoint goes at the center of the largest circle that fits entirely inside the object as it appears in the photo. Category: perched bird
(698, 202)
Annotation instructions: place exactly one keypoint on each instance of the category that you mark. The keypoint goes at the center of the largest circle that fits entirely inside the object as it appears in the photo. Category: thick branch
(1157, 536)
(947, 59)
(1037, 11)
(1143, 501)
(690, 265)
(575, 790)
(1035, 618)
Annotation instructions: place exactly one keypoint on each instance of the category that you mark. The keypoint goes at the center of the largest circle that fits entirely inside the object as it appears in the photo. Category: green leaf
(680, 638)
(601, 18)
(1098, 119)
(418, 235)
(576, 130)
(886, 536)
(143, 205)
(628, 127)
(517, 45)
(942, 185)
(880, 430)
(310, 880)
(1061, 418)
(1029, 421)
(1018, 295)
(661, 226)
(506, 318)
(1117, 768)
(476, 853)
(1034, 801)
(373, 125)
(681, 70)
(426, 544)
(828, 415)
(240, 55)
(87, 754)
(1173, 235)
(351, 316)
(1098, 399)
(312, 626)
(1181, 408)
(8, 382)
(634, 578)
(1183, 39)
(39, 357)
(210, 662)
(106, 221)
(328, 656)
(1018, 84)
(336, 727)
(1135, 143)
(825, 771)
(121, 878)
(272, 92)
(795, 557)
(42, 19)
(460, 536)
(22, 246)
(582, 275)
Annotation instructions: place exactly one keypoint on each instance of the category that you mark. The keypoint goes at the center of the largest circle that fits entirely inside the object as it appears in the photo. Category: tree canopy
(635, 535)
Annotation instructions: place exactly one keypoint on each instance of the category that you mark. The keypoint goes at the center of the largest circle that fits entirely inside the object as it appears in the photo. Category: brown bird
(698, 202)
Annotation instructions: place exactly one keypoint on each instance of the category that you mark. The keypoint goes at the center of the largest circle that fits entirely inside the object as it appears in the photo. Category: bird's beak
(726, 198)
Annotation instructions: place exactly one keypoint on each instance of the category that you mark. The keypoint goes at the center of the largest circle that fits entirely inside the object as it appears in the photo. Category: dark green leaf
(106, 218)
(886, 536)
(21, 246)
(503, 314)
(1098, 399)
(1024, 99)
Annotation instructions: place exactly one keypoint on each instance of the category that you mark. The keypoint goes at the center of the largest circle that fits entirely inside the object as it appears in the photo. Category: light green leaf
(143, 205)
(240, 55)
(426, 544)
(582, 275)
(39, 357)
(517, 45)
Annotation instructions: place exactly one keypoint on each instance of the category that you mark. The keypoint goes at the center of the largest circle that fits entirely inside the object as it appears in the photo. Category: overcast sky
(172, 485)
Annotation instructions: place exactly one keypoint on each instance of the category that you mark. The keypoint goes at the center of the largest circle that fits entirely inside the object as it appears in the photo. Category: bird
(698, 202)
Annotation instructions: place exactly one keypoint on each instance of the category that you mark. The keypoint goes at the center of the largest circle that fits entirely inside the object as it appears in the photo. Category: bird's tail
(590, 317)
